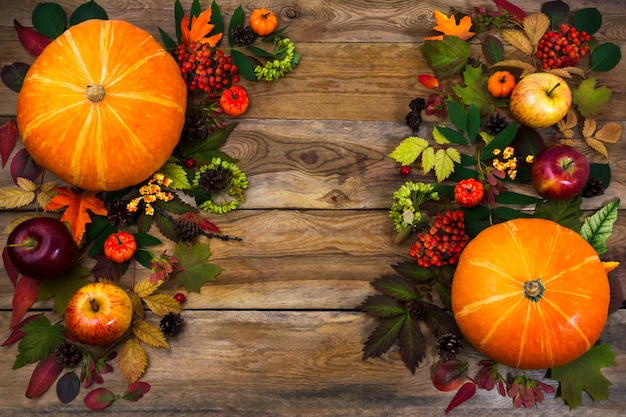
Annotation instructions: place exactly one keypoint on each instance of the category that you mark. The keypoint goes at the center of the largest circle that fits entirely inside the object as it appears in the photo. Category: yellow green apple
(540, 100)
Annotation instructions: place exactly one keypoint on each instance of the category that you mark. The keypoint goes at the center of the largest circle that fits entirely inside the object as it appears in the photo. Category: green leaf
(414, 271)
(449, 134)
(382, 306)
(260, 52)
(235, 20)
(500, 141)
(38, 342)
(601, 171)
(195, 10)
(409, 150)
(444, 162)
(145, 240)
(493, 49)
(605, 57)
(216, 20)
(511, 197)
(397, 287)
(446, 57)
(169, 43)
(473, 122)
(428, 160)
(246, 68)
(598, 227)
(62, 289)
(177, 174)
(412, 344)
(556, 10)
(474, 91)
(384, 336)
(195, 269)
(165, 226)
(49, 19)
(508, 213)
(176, 206)
(87, 11)
(179, 13)
(565, 212)
(588, 20)
(585, 374)
(203, 151)
(588, 99)
(457, 115)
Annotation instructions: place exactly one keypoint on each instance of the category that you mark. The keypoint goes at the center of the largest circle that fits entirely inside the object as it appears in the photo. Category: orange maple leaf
(200, 27)
(448, 26)
(77, 204)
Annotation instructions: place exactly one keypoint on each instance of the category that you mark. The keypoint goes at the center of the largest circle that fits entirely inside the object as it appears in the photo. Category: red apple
(559, 172)
(540, 100)
(98, 313)
(42, 248)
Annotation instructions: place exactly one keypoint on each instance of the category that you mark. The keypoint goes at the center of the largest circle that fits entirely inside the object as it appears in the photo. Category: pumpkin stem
(95, 93)
(533, 290)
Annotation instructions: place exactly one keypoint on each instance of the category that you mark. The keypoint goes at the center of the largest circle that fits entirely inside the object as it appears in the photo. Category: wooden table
(278, 334)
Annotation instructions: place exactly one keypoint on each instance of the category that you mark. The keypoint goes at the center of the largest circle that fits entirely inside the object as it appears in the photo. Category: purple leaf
(8, 140)
(9, 267)
(99, 399)
(24, 166)
(464, 393)
(13, 75)
(136, 391)
(33, 41)
(44, 375)
(68, 387)
(449, 375)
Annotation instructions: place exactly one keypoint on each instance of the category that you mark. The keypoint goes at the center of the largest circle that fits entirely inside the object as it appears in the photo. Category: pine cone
(495, 124)
(416, 309)
(212, 180)
(68, 355)
(242, 35)
(195, 129)
(171, 324)
(593, 188)
(118, 214)
(185, 230)
(448, 346)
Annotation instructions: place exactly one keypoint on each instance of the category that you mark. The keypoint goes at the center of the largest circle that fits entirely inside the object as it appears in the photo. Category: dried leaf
(569, 142)
(145, 288)
(609, 133)
(535, 26)
(519, 40)
(137, 306)
(133, 360)
(568, 71)
(46, 372)
(17, 220)
(12, 198)
(448, 26)
(77, 205)
(516, 63)
(24, 296)
(597, 146)
(161, 304)
(44, 197)
(149, 334)
(589, 127)
(26, 184)
(561, 72)
(566, 124)
(8, 140)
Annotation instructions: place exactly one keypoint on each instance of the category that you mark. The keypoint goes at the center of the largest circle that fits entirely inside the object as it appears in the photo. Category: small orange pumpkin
(263, 21)
(501, 83)
(103, 106)
(234, 100)
(530, 294)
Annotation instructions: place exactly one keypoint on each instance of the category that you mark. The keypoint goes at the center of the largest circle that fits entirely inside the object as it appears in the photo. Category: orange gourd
(103, 106)
(263, 21)
(501, 83)
(530, 294)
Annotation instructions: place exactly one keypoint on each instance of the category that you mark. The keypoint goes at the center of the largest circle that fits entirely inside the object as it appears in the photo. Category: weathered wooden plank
(251, 363)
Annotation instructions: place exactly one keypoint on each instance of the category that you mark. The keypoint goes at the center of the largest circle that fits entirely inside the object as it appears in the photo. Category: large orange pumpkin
(530, 294)
(103, 106)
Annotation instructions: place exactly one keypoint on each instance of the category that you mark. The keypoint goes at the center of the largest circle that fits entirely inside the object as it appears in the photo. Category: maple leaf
(77, 209)
(149, 334)
(193, 265)
(133, 360)
(200, 27)
(448, 26)
(584, 374)
(62, 289)
(475, 90)
(41, 337)
(588, 99)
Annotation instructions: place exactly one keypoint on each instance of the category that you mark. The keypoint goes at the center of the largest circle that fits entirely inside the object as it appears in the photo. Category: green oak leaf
(474, 91)
(598, 227)
(588, 99)
(63, 288)
(41, 337)
(409, 150)
(195, 270)
(584, 374)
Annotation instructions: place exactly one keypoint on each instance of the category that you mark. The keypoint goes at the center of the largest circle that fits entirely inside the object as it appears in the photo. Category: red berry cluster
(443, 243)
(563, 48)
(206, 69)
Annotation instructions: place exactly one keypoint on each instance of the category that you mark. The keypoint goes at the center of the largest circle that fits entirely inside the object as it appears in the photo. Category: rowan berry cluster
(207, 69)
(562, 48)
(443, 243)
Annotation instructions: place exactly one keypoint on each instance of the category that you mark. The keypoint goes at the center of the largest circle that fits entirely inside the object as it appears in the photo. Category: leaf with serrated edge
(12, 198)
(535, 26)
(598, 227)
(444, 162)
(409, 150)
(150, 334)
(597, 146)
(384, 336)
(26, 184)
(382, 306)
(137, 306)
(609, 133)
(145, 288)
(589, 127)
(161, 304)
(516, 63)
(561, 72)
(133, 360)
(428, 160)
(519, 40)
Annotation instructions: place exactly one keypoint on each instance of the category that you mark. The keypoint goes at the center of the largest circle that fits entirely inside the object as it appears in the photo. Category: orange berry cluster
(562, 48)
(443, 243)
(206, 69)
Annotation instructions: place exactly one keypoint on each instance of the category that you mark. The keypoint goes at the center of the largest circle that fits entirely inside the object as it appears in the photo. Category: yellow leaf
(145, 288)
(133, 360)
(439, 137)
(448, 26)
(11, 198)
(589, 127)
(137, 306)
(519, 40)
(569, 71)
(161, 304)
(428, 160)
(609, 133)
(48, 187)
(566, 124)
(149, 334)
(535, 27)
(516, 63)
(26, 184)
(568, 142)
(561, 72)
(598, 146)
(17, 220)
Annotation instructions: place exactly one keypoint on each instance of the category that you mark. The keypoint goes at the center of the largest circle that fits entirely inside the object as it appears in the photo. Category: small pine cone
(195, 129)
(118, 214)
(212, 180)
(495, 124)
(448, 346)
(417, 105)
(414, 120)
(68, 355)
(242, 35)
(185, 230)
(171, 324)
(593, 188)
(416, 309)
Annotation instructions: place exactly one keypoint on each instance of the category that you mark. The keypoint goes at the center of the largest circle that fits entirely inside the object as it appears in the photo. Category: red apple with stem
(98, 313)
(540, 100)
(42, 248)
(559, 172)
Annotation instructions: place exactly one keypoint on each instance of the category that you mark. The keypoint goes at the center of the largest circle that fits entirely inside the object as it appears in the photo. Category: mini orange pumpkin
(530, 294)
(501, 84)
(103, 106)
(234, 100)
(263, 21)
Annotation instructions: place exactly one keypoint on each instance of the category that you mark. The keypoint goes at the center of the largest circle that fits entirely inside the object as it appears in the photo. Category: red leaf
(99, 399)
(16, 335)
(23, 298)
(449, 375)
(428, 81)
(515, 12)
(201, 222)
(8, 139)
(136, 391)
(464, 393)
(8, 265)
(44, 375)
(23, 165)
(33, 41)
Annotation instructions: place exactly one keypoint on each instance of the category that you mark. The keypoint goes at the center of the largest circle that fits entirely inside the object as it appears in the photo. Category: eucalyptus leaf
(605, 57)
(588, 20)
(500, 141)
(49, 19)
(88, 11)
(246, 68)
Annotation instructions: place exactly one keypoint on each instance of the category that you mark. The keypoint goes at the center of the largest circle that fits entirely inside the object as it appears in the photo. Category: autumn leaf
(194, 268)
(137, 306)
(133, 360)
(200, 27)
(24, 296)
(8, 140)
(519, 40)
(78, 204)
(428, 80)
(161, 304)
(448, 26)
(149, 334)
(11, 198)
(145, 288)
(535, 26)
(609, 133)
(63, 288)
(444, 162)
(588, 99)
(566, 124)
(409, 150)
(45, 374)
(516, 63)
